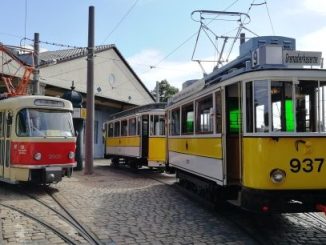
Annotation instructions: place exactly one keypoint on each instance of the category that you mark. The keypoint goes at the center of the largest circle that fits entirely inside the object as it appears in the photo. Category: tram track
(42, 222)
(261, 228)
(224, 214)
(81, 233)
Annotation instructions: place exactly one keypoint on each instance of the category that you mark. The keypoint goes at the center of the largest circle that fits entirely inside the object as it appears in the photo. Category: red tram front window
(44, 122)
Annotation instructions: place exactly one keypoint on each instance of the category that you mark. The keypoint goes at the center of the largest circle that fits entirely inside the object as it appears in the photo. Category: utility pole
(36, 73)
(89, 144)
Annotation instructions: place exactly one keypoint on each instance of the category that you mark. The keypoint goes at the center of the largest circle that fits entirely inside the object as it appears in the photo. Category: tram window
(117, 129)
(42, 122)
(188, 119)
(306, 104)
(322, 106)
(132, 126)
(175, 122)
(138, 125)
(249, 112)
(157, 125)
(204, 116)
(282, 106)
(218, 100)
(261, 106)
(110, 130)
(124, 128)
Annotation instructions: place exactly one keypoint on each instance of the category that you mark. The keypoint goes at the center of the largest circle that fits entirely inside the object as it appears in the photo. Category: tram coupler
(321, 208)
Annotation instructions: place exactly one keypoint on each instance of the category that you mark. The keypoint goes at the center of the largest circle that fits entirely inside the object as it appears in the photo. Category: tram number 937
(306, 165)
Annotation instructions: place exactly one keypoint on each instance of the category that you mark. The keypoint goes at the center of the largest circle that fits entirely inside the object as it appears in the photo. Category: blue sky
(158, 33)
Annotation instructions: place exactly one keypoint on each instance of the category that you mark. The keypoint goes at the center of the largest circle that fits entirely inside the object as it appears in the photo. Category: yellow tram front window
(261, 106)
(43, 122)
(282, 106)
(306, 101)
(157, 125)
(322, 106)
(285, 106)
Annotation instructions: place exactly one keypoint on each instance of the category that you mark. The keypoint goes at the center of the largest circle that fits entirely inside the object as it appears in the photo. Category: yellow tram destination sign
(302, 58)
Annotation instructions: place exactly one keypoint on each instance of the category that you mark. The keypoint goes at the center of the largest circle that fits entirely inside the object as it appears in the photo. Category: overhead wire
(270, 19)
(183, 43)
(121, 20)
(25, 27)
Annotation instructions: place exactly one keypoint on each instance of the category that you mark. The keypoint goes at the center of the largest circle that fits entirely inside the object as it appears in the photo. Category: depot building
(116, 85)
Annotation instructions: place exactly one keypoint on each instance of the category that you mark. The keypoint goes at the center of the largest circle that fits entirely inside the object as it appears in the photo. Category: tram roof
(138, 109)
(257, 54)
(26, 101)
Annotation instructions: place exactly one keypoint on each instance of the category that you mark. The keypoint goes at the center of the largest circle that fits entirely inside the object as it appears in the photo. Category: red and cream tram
(37, 139)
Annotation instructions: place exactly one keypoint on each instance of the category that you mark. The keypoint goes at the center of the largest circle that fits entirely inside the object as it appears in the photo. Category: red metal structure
(11, 62)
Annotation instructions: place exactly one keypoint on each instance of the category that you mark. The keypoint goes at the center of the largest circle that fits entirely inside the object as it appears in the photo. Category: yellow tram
(136, 137)
(254, 130)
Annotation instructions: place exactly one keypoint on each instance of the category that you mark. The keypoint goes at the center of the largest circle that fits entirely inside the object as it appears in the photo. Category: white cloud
(314, 41)
(318, 6)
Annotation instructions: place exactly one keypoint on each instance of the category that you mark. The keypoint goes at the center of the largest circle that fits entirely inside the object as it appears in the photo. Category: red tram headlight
(71, 155)
(277, 175)
(37, 156)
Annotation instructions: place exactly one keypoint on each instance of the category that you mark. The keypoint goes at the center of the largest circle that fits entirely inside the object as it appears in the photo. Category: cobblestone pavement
(122, 207)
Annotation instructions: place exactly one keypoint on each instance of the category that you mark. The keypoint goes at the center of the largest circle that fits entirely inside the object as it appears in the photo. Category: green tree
(166, 91)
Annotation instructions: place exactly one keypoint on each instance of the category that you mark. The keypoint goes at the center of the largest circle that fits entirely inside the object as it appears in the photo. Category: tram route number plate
(306, 165)
(48, 169)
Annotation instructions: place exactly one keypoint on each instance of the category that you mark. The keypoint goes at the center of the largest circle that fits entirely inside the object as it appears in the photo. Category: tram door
(5, 124)
(144, 135)
(233, 133)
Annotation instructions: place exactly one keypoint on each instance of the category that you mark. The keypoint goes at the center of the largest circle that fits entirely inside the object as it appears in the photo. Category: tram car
(254, 130)
(37, 139)
(136, 137)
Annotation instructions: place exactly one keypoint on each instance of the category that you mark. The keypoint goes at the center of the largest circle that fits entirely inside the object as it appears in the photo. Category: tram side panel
(123, 146)
(199, 156)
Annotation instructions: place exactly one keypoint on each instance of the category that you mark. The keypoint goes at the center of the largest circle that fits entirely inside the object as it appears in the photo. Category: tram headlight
(71, 155)
(277, 175)
(37, 156)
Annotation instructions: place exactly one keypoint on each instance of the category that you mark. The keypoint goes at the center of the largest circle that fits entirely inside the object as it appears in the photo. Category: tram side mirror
(9, 118)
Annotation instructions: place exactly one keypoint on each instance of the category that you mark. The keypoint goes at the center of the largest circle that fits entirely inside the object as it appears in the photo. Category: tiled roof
(51, 57)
